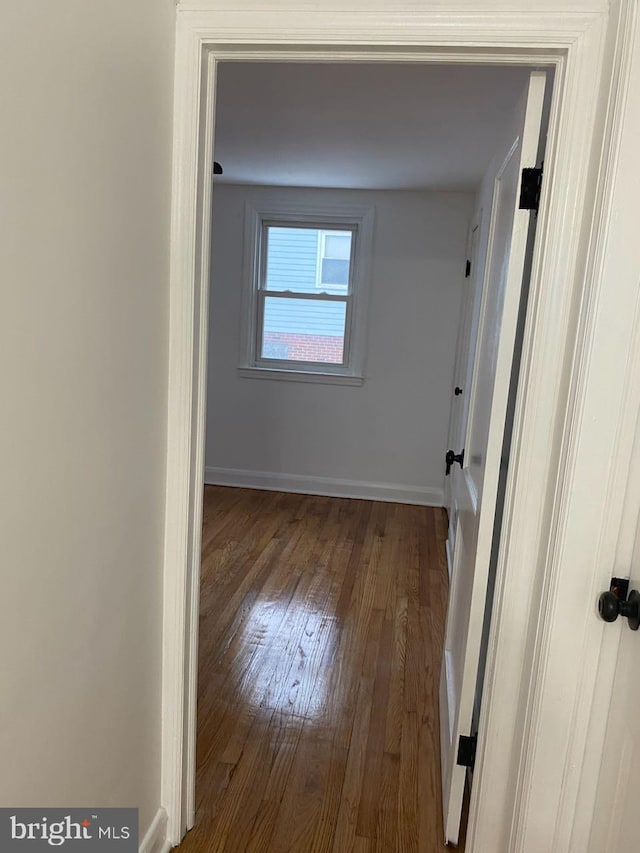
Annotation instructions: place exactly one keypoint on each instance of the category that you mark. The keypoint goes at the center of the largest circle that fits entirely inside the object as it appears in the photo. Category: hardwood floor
(321, 632)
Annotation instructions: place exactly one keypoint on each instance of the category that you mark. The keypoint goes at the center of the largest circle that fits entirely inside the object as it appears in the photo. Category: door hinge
(467, 269)
(450, 457)
(467, 751)
(530, 188)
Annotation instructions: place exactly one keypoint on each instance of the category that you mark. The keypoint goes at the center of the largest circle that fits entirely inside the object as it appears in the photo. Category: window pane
(335, 272)
(338, 246)
(303, 330)
(292, 259)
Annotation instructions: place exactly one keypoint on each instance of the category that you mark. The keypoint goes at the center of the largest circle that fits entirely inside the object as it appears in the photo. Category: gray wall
(393, 429)
(86, 93)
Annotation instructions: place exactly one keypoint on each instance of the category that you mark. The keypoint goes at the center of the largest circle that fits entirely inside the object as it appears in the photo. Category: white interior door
(614, 828)
(463, 371)
(476, 486)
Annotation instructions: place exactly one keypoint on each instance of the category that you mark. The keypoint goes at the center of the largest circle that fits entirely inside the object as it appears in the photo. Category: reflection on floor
(321, 633)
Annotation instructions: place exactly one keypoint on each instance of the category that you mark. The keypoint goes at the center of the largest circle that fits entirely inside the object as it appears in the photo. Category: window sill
(299, 376)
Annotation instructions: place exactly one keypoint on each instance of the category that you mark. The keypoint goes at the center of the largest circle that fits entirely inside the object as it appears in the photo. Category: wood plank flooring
(321, 633)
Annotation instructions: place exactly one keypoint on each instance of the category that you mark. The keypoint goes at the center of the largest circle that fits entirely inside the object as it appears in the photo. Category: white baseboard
(299, 484)
(155, 839)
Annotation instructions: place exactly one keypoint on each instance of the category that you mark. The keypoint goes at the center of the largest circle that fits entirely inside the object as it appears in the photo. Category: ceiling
(361, 125)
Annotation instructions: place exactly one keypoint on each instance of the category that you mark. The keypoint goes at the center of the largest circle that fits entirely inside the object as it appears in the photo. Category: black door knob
(457, 390)
(610, 607)
(450, 458)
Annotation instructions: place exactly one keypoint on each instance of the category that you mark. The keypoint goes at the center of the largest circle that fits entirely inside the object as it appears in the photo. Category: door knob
(610, 607)
(452, 457)
(457, 390)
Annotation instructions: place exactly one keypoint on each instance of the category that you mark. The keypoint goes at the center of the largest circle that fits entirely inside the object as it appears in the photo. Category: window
(304, 294)
(304, 309)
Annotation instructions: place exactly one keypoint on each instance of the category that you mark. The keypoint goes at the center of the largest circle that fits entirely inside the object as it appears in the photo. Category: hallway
(321, 635)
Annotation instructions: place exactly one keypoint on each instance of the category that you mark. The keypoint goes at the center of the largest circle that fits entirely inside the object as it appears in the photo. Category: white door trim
(569, 659)
(550, 431)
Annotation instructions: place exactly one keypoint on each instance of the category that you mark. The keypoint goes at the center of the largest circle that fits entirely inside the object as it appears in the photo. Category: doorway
(289, 303)
(559, 244)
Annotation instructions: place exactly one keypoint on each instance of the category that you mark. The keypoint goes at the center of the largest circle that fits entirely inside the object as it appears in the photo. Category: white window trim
(293, 211)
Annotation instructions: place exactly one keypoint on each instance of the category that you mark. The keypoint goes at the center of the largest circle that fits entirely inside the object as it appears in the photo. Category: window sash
(320, 366)
(321, 226)
(300, 294)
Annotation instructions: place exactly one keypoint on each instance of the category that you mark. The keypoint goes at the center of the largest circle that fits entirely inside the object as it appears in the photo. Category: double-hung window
(305, 313)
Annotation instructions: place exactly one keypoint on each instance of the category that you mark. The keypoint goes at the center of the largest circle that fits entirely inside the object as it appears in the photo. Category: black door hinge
(467, 269)
(450, 457)
(467, 751)
(530, 188)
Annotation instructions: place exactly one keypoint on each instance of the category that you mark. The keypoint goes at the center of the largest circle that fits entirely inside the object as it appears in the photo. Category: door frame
(539, 681)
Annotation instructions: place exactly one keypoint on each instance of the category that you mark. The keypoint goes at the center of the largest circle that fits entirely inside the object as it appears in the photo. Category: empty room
(370, 235)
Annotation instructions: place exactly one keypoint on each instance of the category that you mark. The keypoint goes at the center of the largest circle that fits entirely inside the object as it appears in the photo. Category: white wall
(389, 432)
(86, 93)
